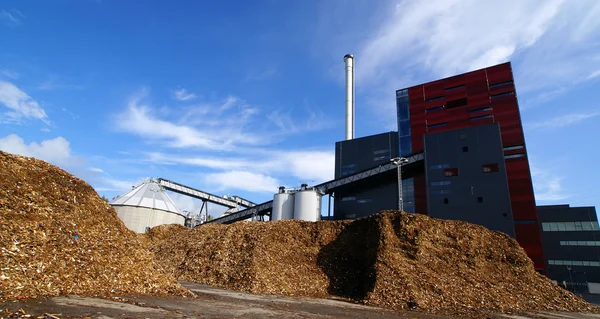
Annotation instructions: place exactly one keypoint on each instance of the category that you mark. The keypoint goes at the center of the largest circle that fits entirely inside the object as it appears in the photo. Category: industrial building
(476, 168)
(571, 241)
(459, 153)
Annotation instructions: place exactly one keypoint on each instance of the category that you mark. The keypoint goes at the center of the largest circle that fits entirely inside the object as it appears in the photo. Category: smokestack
(349, 59)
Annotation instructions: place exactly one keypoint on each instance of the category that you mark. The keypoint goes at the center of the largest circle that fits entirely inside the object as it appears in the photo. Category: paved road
(219, 303)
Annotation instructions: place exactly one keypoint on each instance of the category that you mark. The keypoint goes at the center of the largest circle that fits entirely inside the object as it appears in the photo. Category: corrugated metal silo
(146, 206)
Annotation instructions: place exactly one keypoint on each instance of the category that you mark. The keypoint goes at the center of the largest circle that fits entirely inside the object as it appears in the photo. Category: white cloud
(184, 95)
(312, 167)
(11, 19)
(563, 120)
(21, 104)
(45, 130)
(547, 186)
(10, 74)
(109, 184)
(209, 126)
(552, 44)
(56, 151)
(96, 169)
(242, 180)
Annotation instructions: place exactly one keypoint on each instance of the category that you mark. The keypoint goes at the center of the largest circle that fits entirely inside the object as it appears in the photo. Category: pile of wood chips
(57, 236)
(392, 259)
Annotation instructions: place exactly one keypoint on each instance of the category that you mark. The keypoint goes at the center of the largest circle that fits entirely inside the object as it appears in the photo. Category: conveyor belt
(204, 196)
(324, 188)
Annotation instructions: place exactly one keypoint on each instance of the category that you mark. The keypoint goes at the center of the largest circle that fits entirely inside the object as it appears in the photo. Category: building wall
(571, 240)
(466, 177)
(360, 154)
(480, 97)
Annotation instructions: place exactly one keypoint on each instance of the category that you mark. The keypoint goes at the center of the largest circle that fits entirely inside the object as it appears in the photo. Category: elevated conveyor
(230, 202)
(324, 188)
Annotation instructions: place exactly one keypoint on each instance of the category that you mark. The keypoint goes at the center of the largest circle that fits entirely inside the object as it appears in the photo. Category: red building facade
(479, 97)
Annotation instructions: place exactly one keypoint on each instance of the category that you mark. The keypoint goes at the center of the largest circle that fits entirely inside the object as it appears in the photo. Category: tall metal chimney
(349, 59)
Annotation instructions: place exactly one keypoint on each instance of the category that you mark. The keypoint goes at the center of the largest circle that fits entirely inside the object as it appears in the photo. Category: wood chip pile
(392, 259)
(57, 236)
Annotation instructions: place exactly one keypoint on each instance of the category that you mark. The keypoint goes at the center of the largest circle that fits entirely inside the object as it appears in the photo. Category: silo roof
(148, 194)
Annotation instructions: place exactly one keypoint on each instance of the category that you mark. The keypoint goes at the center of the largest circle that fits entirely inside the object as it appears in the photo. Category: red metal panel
(505, 112)
(420, 193)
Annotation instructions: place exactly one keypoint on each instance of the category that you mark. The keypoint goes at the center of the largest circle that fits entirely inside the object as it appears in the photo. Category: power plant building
(469, 128)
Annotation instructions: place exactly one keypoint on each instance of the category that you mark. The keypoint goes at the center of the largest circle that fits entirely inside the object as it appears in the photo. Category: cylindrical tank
(307, 205)
(283, 205)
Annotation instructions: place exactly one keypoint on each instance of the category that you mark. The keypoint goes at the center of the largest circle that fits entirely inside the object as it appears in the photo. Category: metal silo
(307, 204)
(146, 206)
(283, 205)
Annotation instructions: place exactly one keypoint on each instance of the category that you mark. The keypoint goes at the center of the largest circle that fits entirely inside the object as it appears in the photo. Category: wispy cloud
(45, 130)
(286, 123)
(241, 180)
(547, 186)
(311, 166)
(21, 104)
(563, 120)
(12, 19)
(184, 95)
(552, 43)
(213, 130)
(10, 74)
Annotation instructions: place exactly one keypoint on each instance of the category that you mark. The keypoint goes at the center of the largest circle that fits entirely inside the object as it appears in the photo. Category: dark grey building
(375, 195)
(466, 177)
(571, 241)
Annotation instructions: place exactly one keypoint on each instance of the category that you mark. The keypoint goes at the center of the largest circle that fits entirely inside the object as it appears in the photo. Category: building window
(442, 183)
(364, 201)
(433, 109)
(514, 156)
(451, 172)
(434, 99)
(437, 125)
(481, 110)
(345, 199)
(483, 117)
(480, 199)
(456, 103)
(501, 84)
(591, 243)
(379, 158)
(512, 148)
(502, 94)
(445, 201)
(465, 149)
(490, 168)
(463, 137)
(439, 166)
(452, 88)
(381, 152)
(574, 263)
(440, 191)
(570, 226)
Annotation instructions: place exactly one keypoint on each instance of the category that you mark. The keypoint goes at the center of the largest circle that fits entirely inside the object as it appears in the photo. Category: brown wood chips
(57, 236)
(392, 259)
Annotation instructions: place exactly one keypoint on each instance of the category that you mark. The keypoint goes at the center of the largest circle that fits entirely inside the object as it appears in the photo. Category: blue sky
(239, 97)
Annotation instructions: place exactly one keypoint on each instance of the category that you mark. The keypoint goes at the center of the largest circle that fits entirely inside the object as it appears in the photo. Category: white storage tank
(146, 206)
(283, 205)
(307, 204)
